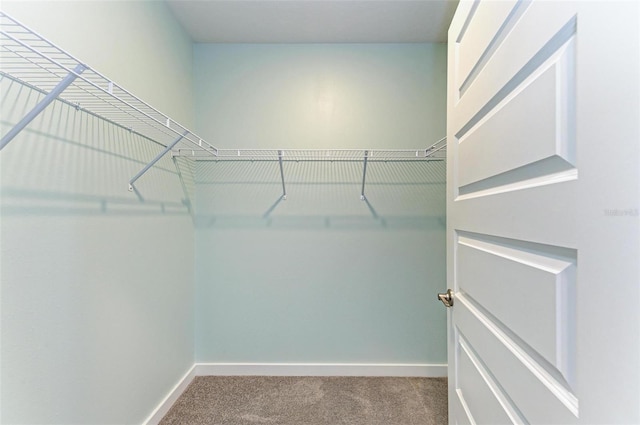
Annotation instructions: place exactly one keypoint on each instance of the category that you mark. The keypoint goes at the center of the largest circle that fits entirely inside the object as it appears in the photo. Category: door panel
(518, 210)
(536, 389)
(485, 400)
(529, 290)
(459, 406)
(480, 34)
(545, 140)
(515, 58)
(543, 228)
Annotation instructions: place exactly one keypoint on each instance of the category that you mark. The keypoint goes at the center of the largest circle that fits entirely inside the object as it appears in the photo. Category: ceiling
(315, 21)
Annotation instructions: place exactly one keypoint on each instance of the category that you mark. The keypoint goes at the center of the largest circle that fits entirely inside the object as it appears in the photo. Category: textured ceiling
(313, 21)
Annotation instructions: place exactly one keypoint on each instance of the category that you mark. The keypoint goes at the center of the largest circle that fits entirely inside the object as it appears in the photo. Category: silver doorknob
(446, 298)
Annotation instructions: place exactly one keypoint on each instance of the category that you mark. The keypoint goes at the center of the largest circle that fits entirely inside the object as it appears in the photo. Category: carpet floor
(248, 400)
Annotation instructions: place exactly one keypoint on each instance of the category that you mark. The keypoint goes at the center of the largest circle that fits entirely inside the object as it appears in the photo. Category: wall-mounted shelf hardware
(364, 174)
(32, 60)
(435, 152)
(284, 189)
(29, 58)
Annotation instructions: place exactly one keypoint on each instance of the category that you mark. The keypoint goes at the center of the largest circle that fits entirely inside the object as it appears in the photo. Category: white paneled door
(543, 212)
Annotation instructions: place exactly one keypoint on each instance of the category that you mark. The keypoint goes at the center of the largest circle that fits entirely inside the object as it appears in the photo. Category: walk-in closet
(293, 224)
(319, 212)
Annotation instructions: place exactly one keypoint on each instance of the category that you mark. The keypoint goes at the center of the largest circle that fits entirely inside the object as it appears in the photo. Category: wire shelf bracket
(284, 189)
(153, 161)
(364, 174)
(42, 105)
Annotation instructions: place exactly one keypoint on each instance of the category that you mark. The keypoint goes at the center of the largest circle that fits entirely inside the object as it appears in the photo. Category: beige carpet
(240, 400)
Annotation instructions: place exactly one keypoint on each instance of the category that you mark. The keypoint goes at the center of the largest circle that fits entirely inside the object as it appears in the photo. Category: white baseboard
(320, 369)
(156, 416)
(292, 369)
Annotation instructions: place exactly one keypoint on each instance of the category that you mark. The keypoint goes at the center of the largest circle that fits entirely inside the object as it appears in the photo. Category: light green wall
(96, 288)
(321, 96)
(321, 277)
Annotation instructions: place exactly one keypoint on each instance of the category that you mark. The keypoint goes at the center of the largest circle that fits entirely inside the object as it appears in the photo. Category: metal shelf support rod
(156, 159)
(53, 94)
(284, 189)
(364, 175)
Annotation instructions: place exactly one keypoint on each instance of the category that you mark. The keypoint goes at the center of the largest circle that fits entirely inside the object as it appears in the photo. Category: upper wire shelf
(436, 152)
(32, 60)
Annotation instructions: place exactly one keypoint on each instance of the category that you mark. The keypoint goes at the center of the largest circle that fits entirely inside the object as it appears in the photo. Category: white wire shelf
(32, 60)
(435, 153)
